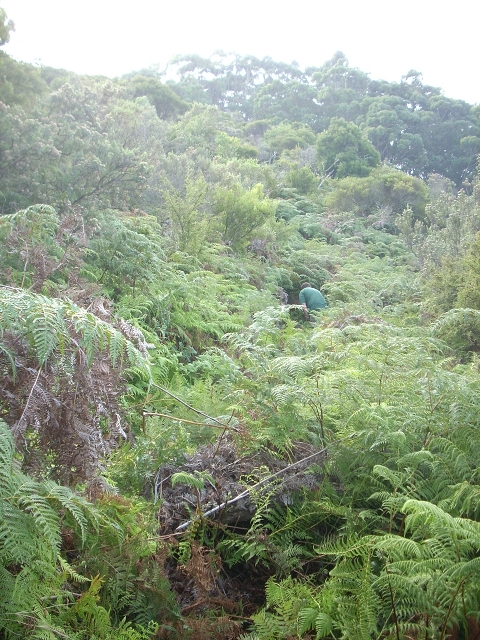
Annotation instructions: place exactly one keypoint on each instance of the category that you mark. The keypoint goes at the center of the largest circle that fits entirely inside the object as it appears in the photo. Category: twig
(201, 424)
(50, 629)
(24, 266)
(169, 393)
(29, 397)
(156, 496)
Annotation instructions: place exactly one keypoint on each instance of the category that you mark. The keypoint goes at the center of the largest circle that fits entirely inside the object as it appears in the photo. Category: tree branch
(223, 424)
(201, 424)
(245, 493)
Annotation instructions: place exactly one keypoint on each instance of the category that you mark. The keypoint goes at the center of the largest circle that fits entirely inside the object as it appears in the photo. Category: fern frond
(307, 618)
(323, 625)
(10, 357)
(396, 479)
(45, 518)
(464, 499)
(7, 451)
(70, 571)
(425, 513)
(74, 505)
(296, 366)
(397, 547)
(44, 322)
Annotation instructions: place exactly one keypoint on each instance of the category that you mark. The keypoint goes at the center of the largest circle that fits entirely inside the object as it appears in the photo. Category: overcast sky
(382, 38)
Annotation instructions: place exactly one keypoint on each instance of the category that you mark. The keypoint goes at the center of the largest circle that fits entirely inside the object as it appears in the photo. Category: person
(311, 299)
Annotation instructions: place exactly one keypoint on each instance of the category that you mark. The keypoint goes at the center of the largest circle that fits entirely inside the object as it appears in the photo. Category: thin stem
(392, 600)
(185, 404)
(201, 424)
(24, 267)
(449, 612)
(29, 397)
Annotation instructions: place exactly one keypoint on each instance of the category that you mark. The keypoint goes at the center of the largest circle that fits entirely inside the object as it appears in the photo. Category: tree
(389, 125)
(302, 179)
(72, 152)
(289, 135)
(227, 80)
(421, 131)
(183, 212)
(293, 101)
(26, 150)
(386, 191)
(343, 150)
(340, 90)
(239, 213)
(205, 129)
(20, 83)
(167, 104)
(469, 281)
(6, 26)
(96, 165)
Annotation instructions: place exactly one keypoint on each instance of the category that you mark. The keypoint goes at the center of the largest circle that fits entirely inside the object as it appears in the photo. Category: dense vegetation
(154, 233)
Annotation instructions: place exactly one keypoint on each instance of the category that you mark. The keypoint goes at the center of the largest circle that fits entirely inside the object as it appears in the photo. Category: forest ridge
(182, 453)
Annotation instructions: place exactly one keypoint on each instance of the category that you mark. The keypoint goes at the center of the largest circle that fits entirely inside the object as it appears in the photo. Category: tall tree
(343, 150)
(6, 26)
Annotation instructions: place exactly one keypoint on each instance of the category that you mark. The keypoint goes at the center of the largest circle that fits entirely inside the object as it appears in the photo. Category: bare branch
(201, 424)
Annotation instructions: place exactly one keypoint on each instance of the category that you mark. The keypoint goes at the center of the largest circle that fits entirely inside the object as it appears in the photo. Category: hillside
(184, 453)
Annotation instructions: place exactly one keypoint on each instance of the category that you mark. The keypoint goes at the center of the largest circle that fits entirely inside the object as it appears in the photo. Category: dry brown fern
(61, 383)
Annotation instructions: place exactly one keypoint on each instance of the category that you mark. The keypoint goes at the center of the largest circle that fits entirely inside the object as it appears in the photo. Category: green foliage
(303, 180)
(195, 480)
(207, 129)
(240, 213)
(291, 101)
(167, 104)
(45, 324)
(20, 83)
(132, 468)
(132, 586)
(6, 26)
(344, 151)
(399, 452)
(27, 237)
(70, 153)
(126, 251)
(159, 226)
(460, 329)
(32, 515)
(286, 599)
(446, 247)
(50, 348)
(468, 295)
(184, 210)
(382, 195)
(288, 135)
(25, 150)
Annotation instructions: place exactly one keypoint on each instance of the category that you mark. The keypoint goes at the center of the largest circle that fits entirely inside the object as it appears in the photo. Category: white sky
(382, 38)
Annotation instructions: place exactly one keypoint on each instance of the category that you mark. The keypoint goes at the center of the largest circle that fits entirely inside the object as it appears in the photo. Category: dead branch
(169, 393)
(245, 493)
(201, 424)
